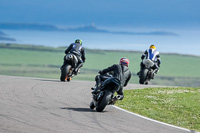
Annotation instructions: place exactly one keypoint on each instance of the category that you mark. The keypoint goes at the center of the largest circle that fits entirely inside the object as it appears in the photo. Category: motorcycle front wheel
(104, 101)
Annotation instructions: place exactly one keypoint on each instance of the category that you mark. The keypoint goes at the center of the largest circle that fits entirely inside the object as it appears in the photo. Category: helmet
(152, 47)
(124, 61)
(78, 41)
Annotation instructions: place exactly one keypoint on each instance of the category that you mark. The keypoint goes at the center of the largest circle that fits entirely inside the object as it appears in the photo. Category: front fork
(97, 97)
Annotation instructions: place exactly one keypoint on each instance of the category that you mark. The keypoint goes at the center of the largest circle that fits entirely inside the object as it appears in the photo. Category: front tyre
(65, 73)
(104, 101)
(143, 76)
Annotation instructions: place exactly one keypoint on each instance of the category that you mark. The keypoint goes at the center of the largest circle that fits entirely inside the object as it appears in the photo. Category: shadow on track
(48, 80)
(79, 109)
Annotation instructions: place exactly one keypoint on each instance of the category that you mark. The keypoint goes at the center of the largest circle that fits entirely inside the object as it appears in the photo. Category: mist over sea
(186, 42)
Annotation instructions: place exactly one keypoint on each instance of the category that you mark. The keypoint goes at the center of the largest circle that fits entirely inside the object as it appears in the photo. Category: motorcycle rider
(78, 50)
(120, 71)
(153, 55)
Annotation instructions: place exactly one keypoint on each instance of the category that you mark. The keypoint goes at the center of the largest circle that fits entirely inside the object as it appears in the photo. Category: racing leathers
(118, 71)
(79, 52)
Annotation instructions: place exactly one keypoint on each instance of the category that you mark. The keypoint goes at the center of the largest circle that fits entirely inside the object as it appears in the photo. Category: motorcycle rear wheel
(143, 76)
(65, 73)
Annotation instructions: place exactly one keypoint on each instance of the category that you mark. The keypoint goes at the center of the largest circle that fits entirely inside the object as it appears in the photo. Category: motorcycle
(106, 95)
(67, 71)
(147, 73)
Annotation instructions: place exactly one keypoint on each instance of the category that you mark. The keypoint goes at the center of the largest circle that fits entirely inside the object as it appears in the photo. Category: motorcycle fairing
(72, 58)
(112, 83)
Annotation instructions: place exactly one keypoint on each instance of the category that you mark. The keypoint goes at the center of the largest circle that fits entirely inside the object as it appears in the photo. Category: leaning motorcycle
(67, 71)
(147, 73)
(106, 95)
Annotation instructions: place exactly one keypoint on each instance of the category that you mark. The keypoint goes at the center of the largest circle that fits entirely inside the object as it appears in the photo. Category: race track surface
(36, 105)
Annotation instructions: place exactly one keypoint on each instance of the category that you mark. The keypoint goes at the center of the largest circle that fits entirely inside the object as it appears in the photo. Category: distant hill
(25, 26)
(90, 28)
(4, 37)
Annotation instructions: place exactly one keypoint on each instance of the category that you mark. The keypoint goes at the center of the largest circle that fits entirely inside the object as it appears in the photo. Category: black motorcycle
(106, 94)
(67, 71)
(147, 73)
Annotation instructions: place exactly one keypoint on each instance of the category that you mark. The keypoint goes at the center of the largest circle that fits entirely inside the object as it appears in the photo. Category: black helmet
(78, 41)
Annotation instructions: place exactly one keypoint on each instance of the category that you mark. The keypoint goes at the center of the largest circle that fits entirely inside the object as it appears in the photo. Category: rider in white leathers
(153, 55)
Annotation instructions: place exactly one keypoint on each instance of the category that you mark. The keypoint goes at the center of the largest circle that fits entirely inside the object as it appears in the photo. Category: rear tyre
(102, 104)
(64, 73)
(143, 76)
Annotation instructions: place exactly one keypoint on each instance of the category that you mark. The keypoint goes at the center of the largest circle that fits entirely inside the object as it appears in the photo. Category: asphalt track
(36, 105)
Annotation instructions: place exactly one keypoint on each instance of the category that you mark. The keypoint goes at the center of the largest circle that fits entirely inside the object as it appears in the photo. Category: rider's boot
(77, 69)
(152, 76)
(156, 71)
(153, 73)
(97, 87)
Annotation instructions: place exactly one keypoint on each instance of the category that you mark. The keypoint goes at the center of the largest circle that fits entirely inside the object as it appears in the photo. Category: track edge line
(191, 131)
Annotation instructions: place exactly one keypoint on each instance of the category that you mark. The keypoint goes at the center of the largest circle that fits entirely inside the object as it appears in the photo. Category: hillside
(28, 26)
(89, 28)
(40, 61)
(4, 37)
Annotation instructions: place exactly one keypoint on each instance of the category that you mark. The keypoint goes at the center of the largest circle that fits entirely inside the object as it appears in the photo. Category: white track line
(191, 131)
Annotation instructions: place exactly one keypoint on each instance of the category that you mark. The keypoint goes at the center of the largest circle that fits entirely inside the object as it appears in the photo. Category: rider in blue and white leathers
(153, 55)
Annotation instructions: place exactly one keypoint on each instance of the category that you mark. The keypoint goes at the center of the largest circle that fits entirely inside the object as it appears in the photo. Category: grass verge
(177, 106)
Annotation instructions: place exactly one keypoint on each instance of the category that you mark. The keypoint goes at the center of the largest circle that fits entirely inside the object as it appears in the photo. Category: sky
(104, 13)
(181, 17)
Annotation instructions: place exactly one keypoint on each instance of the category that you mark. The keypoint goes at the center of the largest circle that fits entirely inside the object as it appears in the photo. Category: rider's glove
(100, 72)
(142, 57)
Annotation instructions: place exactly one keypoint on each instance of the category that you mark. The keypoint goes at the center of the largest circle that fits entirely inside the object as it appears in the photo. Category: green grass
(40, 61)
(180, 66)
(177, 106)
(24, 57)
(31, 71)
(172, 65)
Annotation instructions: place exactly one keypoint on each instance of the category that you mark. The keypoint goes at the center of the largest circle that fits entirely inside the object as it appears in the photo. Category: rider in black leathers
(78, 50)
(119, 71)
